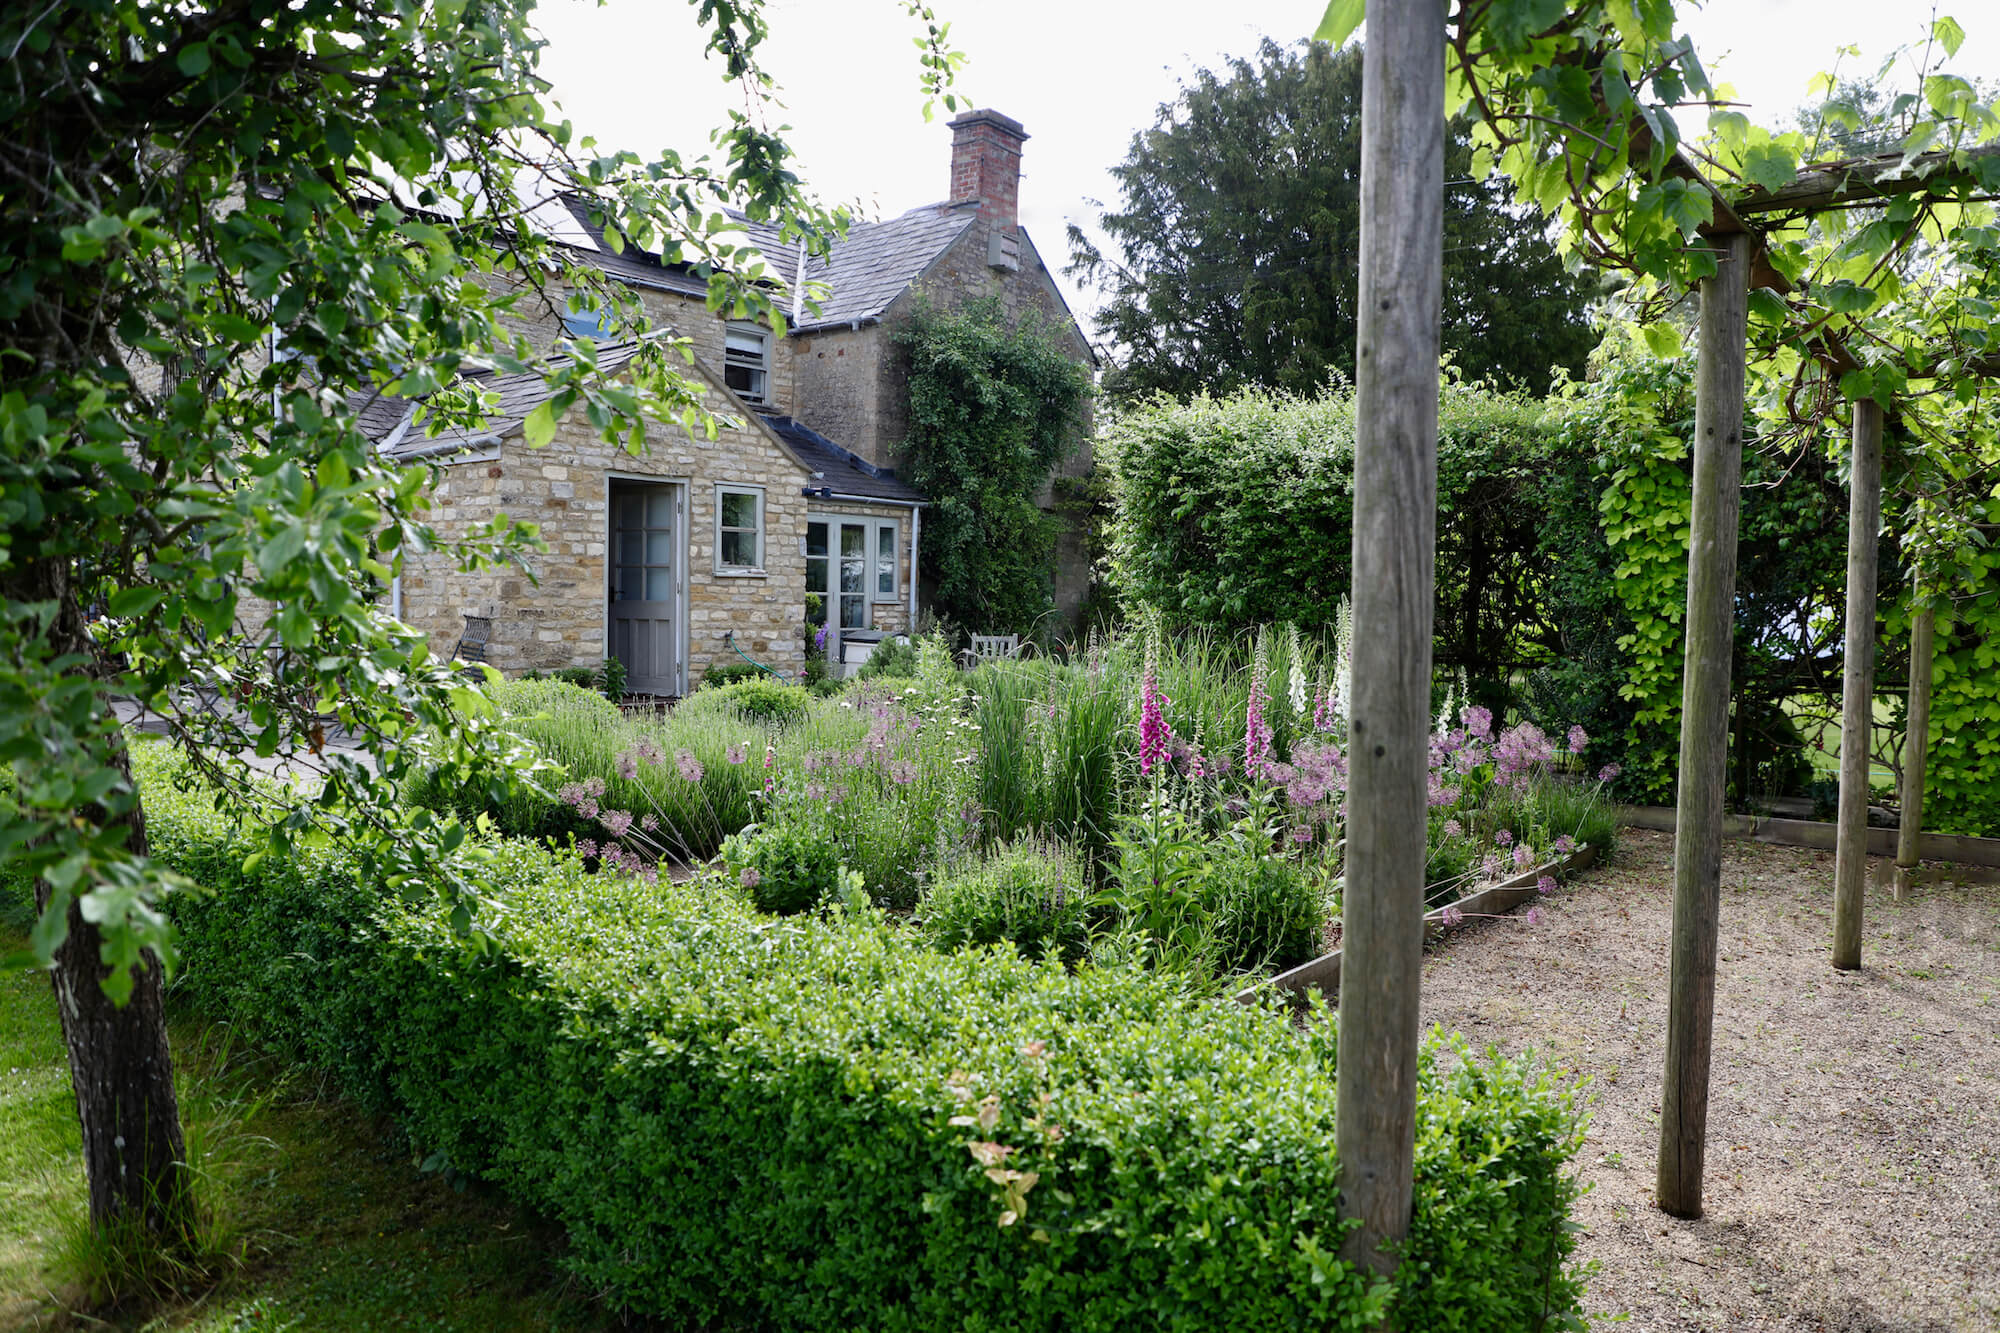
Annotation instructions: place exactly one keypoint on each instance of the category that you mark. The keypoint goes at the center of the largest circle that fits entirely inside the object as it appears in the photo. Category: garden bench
(991, 648)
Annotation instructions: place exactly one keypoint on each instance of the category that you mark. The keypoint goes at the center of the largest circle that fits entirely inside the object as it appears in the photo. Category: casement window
(888, 537)
(739, 529)
(851, 564)
(746, 362)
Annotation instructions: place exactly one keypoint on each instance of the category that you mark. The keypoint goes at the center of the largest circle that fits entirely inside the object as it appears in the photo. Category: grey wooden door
(647, 565)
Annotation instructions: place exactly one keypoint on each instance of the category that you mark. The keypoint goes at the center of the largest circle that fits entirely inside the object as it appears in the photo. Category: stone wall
(553, 614)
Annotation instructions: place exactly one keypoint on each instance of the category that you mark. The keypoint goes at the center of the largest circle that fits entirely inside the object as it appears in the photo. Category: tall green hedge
(744, 1122)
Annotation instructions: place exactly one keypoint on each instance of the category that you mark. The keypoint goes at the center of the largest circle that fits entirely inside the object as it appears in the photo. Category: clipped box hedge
(745, 1122)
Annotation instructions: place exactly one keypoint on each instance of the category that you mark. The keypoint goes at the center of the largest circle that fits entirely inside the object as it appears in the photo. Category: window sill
(742, 574)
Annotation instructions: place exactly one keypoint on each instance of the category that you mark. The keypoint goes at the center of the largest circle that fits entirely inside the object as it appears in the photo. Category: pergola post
(1395, 517)
(1857, 709)
(1916, 749)
(1710, 627)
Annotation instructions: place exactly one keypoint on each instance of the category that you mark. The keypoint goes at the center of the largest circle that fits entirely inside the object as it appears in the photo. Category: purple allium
(587, 847)
(1478, 721)
(1489, 866)
(1546, 884)
(628, 765)
(689, 766)
(751, 877)
(1534, 916)
(1565, 844)
(902, 772)
(1452, 916)
(1504, 838)
(617, 821)
(1578, 738)
(1302, 834)
(738, 752)
(648, 749)
(1524, 856)
(815, 791)
(1608, 772)
(1453, 829)
(649, 823)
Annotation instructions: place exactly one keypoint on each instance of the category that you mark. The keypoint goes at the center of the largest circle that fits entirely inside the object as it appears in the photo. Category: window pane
(853, 612)
(631, 547)
(744, 340)
(739, 549)
(659, 508)
(815, 575)
(630, 508)
(659, 585)
(739, 509)
(631, 582)
(815, 539)
(659, 548)
(885, 560)
(853, 540)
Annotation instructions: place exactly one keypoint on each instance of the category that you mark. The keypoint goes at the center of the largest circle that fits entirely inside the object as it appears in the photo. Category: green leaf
(1342, 17)
(129, 602)
(540, 425)
(1949, 35)
(193, 59)
(1664, 340)
(1769, 166)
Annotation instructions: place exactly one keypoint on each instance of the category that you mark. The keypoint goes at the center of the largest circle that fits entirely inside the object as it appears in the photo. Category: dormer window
(746, 362)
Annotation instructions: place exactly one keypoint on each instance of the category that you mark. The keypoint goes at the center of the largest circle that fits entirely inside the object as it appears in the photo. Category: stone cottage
(704, 551)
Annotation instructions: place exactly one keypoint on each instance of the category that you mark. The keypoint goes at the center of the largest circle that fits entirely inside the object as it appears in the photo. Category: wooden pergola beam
(1863, 180)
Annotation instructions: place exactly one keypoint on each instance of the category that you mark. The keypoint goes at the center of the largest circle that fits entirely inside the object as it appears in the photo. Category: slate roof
(859, 279)
(840, 471)
(387, 420)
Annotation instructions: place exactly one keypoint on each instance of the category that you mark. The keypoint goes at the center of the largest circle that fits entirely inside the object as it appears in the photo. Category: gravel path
(1853, 1180)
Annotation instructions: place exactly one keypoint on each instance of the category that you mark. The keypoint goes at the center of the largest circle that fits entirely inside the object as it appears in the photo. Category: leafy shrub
(891, 657)
(725, 671)
(1029, 892)
(787, 866)
(742, 1126)
(1269, 911)
(764, 700)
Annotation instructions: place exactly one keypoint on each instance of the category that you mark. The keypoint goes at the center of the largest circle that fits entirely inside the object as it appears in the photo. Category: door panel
(645, 593)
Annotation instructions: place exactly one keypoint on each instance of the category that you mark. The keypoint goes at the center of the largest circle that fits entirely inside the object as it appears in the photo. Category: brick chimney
(986, 166)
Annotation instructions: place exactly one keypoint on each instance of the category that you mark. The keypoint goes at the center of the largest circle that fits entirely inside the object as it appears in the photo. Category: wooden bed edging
(1323, 973)
(1812, 833)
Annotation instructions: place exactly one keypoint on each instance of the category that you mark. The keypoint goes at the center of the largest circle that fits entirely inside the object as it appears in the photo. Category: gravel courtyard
(1853, 1181)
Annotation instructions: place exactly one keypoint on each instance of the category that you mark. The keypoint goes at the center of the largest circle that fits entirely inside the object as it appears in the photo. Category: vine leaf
(1342, 18)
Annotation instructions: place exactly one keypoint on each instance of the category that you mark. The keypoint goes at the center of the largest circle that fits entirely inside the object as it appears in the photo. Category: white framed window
(739, 529)
(887, 541)
(746, 362)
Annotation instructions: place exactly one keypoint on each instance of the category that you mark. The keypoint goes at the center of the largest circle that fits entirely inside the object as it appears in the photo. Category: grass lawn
(1823, 741)
(326, 1223)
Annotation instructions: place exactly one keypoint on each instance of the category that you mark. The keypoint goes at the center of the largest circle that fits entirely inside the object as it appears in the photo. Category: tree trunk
(1711, 604)
(1395, 529)
(133, 1152)
(1857, 705)
(1916, 750)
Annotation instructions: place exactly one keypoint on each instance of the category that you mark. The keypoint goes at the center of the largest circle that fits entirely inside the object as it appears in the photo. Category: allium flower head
(902, 772)
(1452, 916)
(1505, 837)
(1478, 721)
(688, 766)
(1524, 856)
(1608, 772)
(1546, 884)
(1578, 738)
(751, 877)
(1453, 829)
(1534, 916)
(617, 821)
(1565, 844)
(738, 752)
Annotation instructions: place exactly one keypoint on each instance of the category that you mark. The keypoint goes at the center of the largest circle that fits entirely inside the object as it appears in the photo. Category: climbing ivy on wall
(993, 410)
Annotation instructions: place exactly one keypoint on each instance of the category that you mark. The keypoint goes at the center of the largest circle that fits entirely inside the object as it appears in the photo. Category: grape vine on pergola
(1572, 100)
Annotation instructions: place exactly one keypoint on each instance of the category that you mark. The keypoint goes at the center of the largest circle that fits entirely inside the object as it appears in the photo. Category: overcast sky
(1081, 75)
